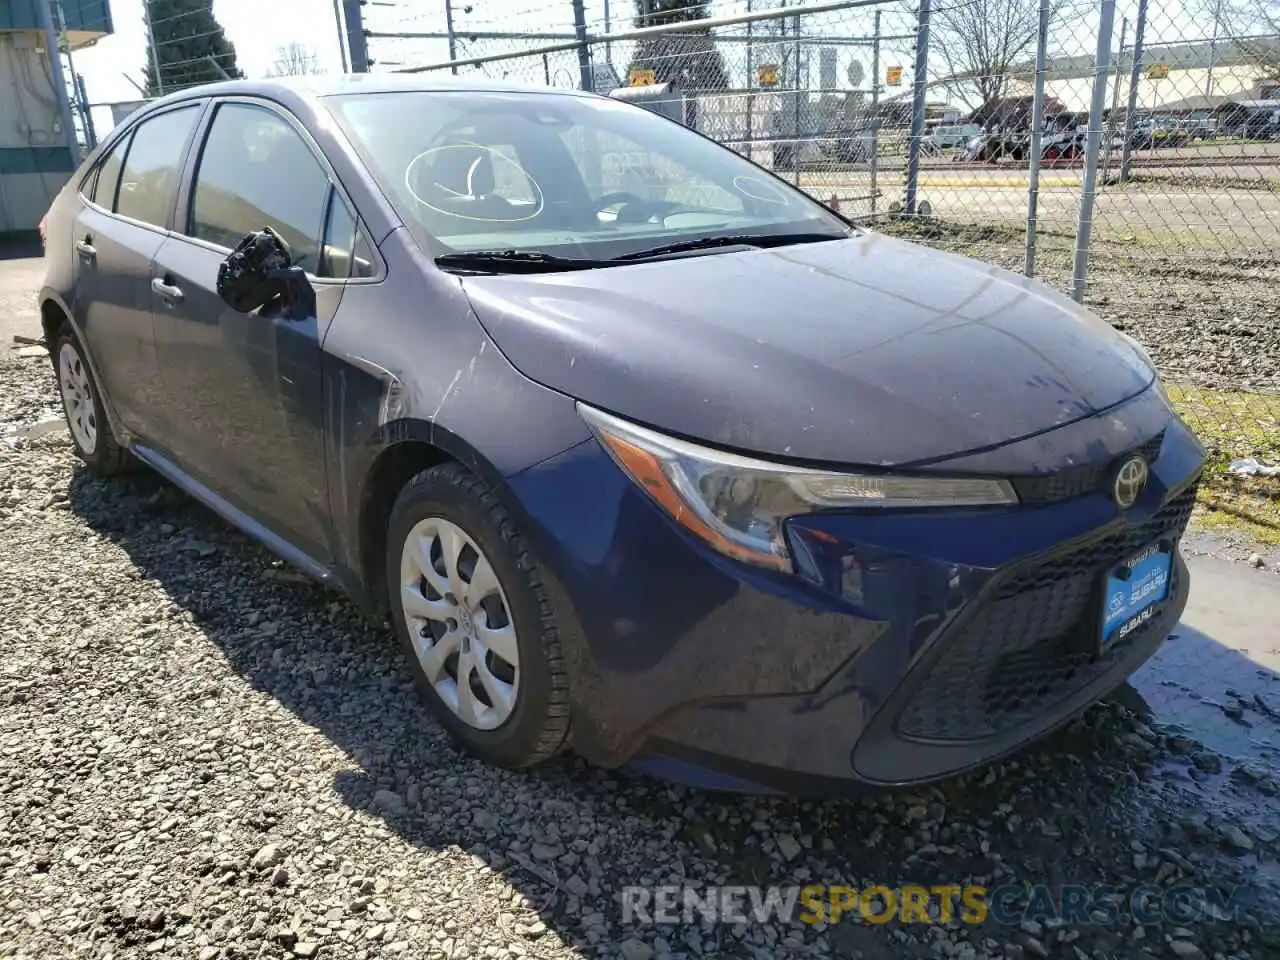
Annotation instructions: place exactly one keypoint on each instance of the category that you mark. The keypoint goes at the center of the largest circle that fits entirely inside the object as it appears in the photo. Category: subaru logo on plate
(1131, 480)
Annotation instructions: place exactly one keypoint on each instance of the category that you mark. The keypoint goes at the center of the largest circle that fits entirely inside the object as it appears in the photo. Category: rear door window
(149, 178)
(256, 171)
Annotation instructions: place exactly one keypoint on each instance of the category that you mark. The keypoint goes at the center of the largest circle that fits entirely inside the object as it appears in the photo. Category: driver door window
(256, 171)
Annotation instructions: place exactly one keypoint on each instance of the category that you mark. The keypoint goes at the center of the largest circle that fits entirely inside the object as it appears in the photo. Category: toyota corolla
(644, 453)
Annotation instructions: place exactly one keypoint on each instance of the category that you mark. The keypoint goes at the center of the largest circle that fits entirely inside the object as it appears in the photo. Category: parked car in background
(948, 137)
(679, 470)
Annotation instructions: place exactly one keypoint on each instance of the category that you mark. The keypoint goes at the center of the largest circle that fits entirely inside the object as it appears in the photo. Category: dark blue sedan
(644, 452)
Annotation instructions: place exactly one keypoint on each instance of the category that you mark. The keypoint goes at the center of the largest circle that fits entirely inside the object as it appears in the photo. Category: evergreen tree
(690, 56)
(189, 45)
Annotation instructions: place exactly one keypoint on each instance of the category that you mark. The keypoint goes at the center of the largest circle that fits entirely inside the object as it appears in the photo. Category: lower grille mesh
(1033, 643)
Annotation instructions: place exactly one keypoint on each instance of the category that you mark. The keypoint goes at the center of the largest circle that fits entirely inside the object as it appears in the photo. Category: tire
(517, 717)
(82, 406)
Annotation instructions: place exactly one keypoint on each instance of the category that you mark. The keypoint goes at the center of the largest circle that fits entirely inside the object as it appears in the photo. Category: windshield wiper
(515, 261)
(738, 240)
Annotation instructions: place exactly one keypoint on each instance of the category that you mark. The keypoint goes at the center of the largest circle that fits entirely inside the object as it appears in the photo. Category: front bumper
(912, 646)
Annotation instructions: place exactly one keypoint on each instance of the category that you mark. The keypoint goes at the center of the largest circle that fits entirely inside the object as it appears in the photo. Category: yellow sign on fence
(893, 76)
(1157, 71)
(767, 74)
(642, 78)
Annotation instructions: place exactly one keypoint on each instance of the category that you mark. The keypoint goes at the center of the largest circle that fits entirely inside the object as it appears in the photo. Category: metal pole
(584, 50)
(342, 46)
(357, 46)
(1135, 74)
(1037, 132)
(60, 92)
(1213, 48)
(453, 38)
(795, 103)
(80, 105)
(917, 107)
(751, 82)
(875, 115)
(1102, 68)
(1115, 103)
(86, 113)
(151, 45)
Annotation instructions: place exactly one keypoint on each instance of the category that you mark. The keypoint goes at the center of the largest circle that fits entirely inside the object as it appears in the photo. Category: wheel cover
(460, 623)
(77, 398)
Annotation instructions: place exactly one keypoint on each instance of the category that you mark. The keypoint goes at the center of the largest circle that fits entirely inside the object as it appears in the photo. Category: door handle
(86, 249)
(168, 291)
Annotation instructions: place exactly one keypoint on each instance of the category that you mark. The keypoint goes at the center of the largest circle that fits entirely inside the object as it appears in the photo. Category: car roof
(328, 85)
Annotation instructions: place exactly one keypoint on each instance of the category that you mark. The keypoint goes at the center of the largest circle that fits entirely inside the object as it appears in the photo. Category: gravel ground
(204, 757)
(1205, 317)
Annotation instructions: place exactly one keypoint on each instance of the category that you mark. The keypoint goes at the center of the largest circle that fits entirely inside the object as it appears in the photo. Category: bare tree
(1253, 28)
(981, 41)
(294, 60)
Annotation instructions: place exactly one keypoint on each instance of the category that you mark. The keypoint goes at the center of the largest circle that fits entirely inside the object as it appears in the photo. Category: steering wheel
(626, 200)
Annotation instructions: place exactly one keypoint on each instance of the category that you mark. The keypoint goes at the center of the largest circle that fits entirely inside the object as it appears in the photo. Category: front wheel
(468, 604)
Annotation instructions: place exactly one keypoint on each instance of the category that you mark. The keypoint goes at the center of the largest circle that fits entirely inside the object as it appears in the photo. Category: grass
(1235, 424)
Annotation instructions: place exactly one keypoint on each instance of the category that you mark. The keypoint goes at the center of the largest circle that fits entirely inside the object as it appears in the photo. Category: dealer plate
(1133, 589)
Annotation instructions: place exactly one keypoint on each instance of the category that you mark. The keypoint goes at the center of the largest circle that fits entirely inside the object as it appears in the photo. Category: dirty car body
(792, 505)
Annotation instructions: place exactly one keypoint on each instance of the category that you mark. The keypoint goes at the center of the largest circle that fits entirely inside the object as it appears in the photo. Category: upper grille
(1033, 643)
(1078, 481)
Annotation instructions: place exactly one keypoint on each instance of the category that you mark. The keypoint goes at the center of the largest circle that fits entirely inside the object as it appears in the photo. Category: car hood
(867, 350)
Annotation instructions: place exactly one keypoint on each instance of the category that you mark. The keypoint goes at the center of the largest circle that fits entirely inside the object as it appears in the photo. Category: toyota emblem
(1131, 480)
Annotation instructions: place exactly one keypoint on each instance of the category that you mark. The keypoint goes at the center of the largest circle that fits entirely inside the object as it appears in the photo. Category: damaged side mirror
(260, 273)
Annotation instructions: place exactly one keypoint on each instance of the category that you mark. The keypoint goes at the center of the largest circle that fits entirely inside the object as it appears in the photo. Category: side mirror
(260, 272)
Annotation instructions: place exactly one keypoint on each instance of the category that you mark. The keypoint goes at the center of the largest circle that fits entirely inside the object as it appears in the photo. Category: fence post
(452, 37)
(917, 108)
(357, 43)
(875, 116)
(795, 103)
(584, 50)
(1135, 75)
(1037, 133)
(1101, 73)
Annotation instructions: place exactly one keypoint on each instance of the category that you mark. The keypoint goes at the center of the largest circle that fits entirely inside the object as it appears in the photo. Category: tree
(294, 60)
(190, 46)
(1252, 27)
(690, 57)
(981, 41)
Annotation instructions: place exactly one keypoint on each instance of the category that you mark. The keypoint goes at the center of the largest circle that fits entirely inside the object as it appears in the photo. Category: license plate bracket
(1134, 589)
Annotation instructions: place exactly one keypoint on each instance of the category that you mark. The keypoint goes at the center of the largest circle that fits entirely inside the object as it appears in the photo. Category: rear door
(247, 387)
(123, 218)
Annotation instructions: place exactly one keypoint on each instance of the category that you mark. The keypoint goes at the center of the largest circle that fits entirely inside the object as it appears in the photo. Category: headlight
(738, 504)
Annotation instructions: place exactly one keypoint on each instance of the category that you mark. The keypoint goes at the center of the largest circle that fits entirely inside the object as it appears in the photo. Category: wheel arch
(407, 448)
(54, 314)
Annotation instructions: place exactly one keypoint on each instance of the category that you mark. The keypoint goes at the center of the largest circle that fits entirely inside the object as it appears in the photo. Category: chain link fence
(1125, 153)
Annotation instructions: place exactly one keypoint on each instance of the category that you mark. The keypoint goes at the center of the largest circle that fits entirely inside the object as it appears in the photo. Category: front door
(248, 387)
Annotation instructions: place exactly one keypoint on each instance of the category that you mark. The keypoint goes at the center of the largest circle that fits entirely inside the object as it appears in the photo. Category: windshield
(567, 176)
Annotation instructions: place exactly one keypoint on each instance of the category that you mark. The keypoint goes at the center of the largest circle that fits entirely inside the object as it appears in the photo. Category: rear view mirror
(260, 272)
